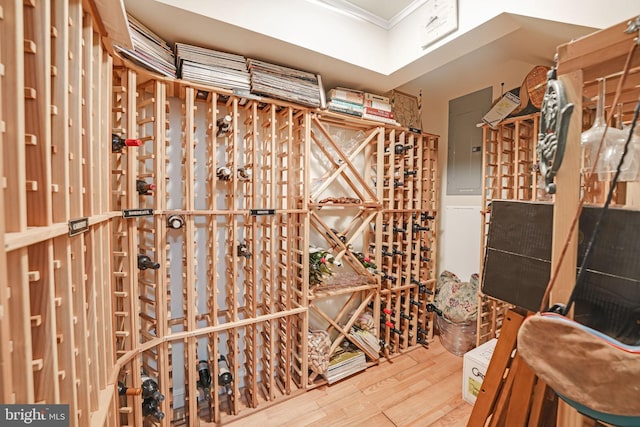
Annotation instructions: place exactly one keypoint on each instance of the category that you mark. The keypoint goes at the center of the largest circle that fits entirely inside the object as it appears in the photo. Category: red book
(378, 112)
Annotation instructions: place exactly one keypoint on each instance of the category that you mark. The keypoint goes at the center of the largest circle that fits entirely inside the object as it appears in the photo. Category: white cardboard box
(474, 368)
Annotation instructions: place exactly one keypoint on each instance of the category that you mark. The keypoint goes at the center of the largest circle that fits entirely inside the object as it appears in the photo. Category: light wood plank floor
(420, 388)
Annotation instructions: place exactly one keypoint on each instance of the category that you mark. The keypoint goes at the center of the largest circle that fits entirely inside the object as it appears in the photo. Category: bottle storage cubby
(164, 279)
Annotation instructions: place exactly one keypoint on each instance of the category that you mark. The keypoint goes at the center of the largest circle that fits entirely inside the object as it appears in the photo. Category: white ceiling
(530, 40)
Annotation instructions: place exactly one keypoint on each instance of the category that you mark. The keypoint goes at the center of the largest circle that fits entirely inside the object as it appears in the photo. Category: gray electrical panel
(464, 160)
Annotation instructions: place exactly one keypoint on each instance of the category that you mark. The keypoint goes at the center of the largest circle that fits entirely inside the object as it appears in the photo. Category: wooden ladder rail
(511, 395)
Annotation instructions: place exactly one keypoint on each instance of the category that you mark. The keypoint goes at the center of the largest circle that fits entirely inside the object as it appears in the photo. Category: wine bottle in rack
(422, 331)
(399, 230)
(144, 188)
(244, 174)
(243, 250)
(389, 278)
(150, 388)
(204, 378)
(204, 382)
(410, 173)
(424, 259)
(406, 316)
(422, 289)
(224, 173)
(425, 216)
(392, 327)
(385, 252)
(144, 263)
(223, 125)
(415, 302)
(150, 409)
(417, 227)
(397, 183)
(118, 143)
(175, 221)
(397, 251)
(123, 390)
(225, 378)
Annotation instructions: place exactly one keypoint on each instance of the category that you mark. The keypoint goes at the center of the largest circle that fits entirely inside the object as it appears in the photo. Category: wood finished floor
(420, 388)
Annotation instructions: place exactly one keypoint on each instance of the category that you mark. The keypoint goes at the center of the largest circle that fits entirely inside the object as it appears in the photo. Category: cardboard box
(474, 368)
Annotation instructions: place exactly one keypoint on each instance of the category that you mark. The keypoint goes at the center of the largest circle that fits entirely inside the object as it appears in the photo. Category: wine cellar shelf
(184, 248)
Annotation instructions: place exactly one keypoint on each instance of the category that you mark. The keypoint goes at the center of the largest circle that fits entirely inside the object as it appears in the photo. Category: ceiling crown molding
(351, 9)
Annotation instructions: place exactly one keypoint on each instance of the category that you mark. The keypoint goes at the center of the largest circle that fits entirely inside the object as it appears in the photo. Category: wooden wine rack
(509, 156)
(77, 313)
(55, 287)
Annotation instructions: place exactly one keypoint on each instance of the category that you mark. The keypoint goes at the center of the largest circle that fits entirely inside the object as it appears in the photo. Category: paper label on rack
(77, 226)
(134, 213)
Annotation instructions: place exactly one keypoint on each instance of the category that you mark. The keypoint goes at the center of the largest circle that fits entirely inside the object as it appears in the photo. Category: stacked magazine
(285, 83)
(149, 50)
(344, 363)
(212, 67)
(366, 339)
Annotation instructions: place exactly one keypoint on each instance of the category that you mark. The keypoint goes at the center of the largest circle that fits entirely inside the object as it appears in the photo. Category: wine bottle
(223, 173)
(150, 409)
(399, 230)
(422, 331)
(144, 262)
(390, 278)
(410, 173)
(143, 188)
(223, 125)
(406, 316)
(204, 378)
(422, 289)
(244, 174)
(417, 227)
(224, 374)
(415, 302)
(425, 259)
(397, 183)
(242, 250)
(175, 221)
(392, 328)
(123, 390)
(425, 216)
(387, 311)
(385, 252)
(397, 251)
(150, 389)
(118, 143)
(401, 149)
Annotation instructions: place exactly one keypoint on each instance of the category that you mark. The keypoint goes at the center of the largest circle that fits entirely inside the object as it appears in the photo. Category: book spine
(346, 104)
(345, 95)
(385, 106)
(344, 111)
(380, 119)
(378, 112)
(374, 97)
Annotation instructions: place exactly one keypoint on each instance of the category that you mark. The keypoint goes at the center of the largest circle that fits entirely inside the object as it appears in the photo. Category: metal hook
(632, 27)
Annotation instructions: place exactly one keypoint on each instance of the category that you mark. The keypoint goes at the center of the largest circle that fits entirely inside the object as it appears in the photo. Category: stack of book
(149, 50)
(212, 67)
(378, 108)
(344, 363)
(346, 101)
(366, 339)
(285, 83)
